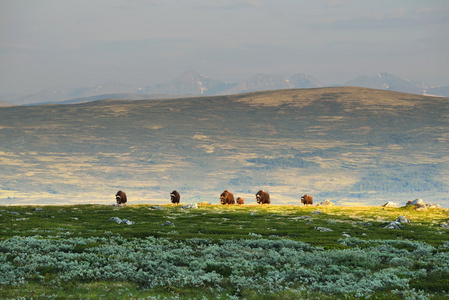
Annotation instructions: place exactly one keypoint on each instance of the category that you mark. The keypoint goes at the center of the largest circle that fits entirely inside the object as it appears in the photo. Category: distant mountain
(304, 81)
(438, 91)
(61, 94)
(10, 97)
(264, 82)
(260, 82)
(386, 81)
(190, 83)
(124, 96)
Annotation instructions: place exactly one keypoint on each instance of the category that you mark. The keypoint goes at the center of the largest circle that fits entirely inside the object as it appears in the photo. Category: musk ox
(175, 197)
(120, 197)
(240, 200)
(307, 200)
(227, 198)
(263, 197)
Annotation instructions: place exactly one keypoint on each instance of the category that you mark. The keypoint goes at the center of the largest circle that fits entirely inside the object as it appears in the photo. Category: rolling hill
(348, 145)
(6, 103)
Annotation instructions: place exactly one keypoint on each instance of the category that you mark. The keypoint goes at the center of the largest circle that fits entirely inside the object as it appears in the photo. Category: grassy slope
(349, 145)
(217, 223)
(226, 222)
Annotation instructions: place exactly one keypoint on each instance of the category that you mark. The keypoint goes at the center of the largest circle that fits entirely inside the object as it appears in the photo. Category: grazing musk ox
(263, 197)
(175, 197)
(307, 199)
(240, 200)
(227, 198)
(120, 197)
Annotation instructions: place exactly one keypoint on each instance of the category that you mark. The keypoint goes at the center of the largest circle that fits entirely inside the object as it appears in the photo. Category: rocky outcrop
(418, 203)
(398, 224)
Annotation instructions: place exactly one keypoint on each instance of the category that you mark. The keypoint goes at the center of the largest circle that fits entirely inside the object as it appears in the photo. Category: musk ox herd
(226, 197)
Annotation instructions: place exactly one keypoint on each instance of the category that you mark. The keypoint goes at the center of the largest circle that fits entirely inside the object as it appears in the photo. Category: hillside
(347, 145)
(5, 103)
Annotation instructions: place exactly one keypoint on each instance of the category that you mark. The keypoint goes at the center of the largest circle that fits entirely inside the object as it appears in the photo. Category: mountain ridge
(192, 83)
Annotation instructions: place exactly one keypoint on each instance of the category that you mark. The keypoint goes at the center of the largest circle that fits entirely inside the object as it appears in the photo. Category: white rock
(403, 219)
(157, 207)
(168, 223)
(323, 229)
(128, 222)
(115, 219)
(418, 202)
(434, 206)
(190, 205)
(394, 225)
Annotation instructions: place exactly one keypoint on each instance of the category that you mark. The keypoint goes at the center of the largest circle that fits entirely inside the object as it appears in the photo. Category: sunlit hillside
(348, 145)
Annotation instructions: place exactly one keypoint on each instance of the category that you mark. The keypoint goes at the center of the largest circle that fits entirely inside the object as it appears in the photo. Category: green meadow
(222, 252)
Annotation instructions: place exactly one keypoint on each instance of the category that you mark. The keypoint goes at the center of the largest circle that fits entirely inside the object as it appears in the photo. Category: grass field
(222, 252)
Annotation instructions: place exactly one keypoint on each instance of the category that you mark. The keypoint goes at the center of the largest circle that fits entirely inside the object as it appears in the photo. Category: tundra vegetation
(222, 252)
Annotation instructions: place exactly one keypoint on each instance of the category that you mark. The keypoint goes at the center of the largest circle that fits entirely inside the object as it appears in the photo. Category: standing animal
(307, 200)
(175, 197)
(227, 198)
(263, 197)
(120, 197)
(240, 200)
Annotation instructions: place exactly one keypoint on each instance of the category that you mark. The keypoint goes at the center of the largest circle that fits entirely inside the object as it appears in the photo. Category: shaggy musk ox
(227, 198)
(120, 197)
(263, 197)
(307, 199)
(175, 197)
(240, 200)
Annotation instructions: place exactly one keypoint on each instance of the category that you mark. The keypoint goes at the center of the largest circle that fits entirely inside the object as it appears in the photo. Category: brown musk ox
(175, 198)
(227, 198)
(120, 197)
(307, 200)
(240, 200)
(263, 197)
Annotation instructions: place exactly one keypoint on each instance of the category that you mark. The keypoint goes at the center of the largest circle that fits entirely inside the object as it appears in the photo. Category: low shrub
(261, 265)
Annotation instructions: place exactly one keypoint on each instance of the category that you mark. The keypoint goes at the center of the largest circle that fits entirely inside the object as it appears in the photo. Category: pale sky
(50, 43)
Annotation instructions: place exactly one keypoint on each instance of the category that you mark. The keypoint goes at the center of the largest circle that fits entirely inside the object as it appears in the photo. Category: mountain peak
(387, 81)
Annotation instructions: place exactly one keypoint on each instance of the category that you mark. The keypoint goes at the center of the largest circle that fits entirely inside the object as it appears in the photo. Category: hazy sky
(49, 43)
